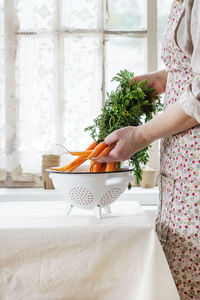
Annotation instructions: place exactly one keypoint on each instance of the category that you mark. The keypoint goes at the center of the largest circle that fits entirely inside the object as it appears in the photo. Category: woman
(178, 221)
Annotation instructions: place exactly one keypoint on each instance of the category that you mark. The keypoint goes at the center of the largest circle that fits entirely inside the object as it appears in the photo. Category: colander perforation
(80, 196)
(90, 191)
(110, 196)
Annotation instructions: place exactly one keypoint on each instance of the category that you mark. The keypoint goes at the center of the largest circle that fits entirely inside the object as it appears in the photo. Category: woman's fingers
(115, 155)
(137, 78)
(156, 80)
(127, 140)
(105, 152)
(106, 159)
(112, 138)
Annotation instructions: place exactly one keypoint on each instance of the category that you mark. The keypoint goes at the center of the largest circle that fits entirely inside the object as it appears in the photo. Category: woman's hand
(128, 141)
(156, 80)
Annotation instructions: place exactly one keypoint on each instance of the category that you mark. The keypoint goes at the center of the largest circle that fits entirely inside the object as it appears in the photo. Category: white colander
(90, 190)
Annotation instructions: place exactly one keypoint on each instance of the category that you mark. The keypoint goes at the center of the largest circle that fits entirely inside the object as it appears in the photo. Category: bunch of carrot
(94, 152)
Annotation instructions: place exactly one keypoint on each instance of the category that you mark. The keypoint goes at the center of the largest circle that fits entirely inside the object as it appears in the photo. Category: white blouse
(188, 39)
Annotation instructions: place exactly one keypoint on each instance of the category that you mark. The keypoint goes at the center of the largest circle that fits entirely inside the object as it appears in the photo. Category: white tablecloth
(46, 255)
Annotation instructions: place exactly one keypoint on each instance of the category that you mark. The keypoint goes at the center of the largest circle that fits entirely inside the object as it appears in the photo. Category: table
(46, 255)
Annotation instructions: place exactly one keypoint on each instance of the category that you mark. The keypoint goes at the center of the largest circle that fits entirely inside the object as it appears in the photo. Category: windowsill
(144, 196)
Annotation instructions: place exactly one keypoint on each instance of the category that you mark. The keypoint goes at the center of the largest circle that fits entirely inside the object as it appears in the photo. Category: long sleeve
(188, 39)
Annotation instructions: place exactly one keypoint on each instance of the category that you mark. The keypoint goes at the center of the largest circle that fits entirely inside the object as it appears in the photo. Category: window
(58, 57)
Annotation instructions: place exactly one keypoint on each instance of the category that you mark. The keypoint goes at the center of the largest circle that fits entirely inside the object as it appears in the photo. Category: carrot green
(131, 104)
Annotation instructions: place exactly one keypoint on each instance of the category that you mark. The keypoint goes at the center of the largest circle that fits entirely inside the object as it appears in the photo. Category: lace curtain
(57, 58)
(50, 81)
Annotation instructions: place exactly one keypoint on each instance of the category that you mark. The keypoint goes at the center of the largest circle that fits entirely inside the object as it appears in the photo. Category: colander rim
(122, 170)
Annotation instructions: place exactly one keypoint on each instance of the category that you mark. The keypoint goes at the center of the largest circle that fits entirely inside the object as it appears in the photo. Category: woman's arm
(170, 122)
(130, 140)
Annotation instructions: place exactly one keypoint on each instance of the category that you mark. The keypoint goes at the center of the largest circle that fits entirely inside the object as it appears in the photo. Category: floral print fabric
(178, 220)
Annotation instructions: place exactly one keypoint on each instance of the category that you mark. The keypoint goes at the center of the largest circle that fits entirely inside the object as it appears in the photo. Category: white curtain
(50, 81)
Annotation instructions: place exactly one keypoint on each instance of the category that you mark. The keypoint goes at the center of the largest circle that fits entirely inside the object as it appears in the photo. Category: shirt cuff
(190, 104)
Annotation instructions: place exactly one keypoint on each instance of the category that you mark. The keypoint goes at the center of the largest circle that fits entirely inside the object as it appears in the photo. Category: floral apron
(178, 220)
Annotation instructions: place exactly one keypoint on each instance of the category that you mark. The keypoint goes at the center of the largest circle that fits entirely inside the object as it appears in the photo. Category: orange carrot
(76, 165)
(98, 149)
(71, 164)
(97, 167)
(86, 152)
(92, 146)
(80, 153)
(103, 167)
(92, 163)
(111, 167)
(76, 161)
(105, 151)
(80, 160)
(93, 150)
(61, 169)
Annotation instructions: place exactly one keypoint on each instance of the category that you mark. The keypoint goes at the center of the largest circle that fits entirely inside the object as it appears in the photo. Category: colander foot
(68, 209)
(107, 209)
(97, 211)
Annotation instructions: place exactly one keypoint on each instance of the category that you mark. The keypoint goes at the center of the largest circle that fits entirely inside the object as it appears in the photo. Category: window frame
(149, 34)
